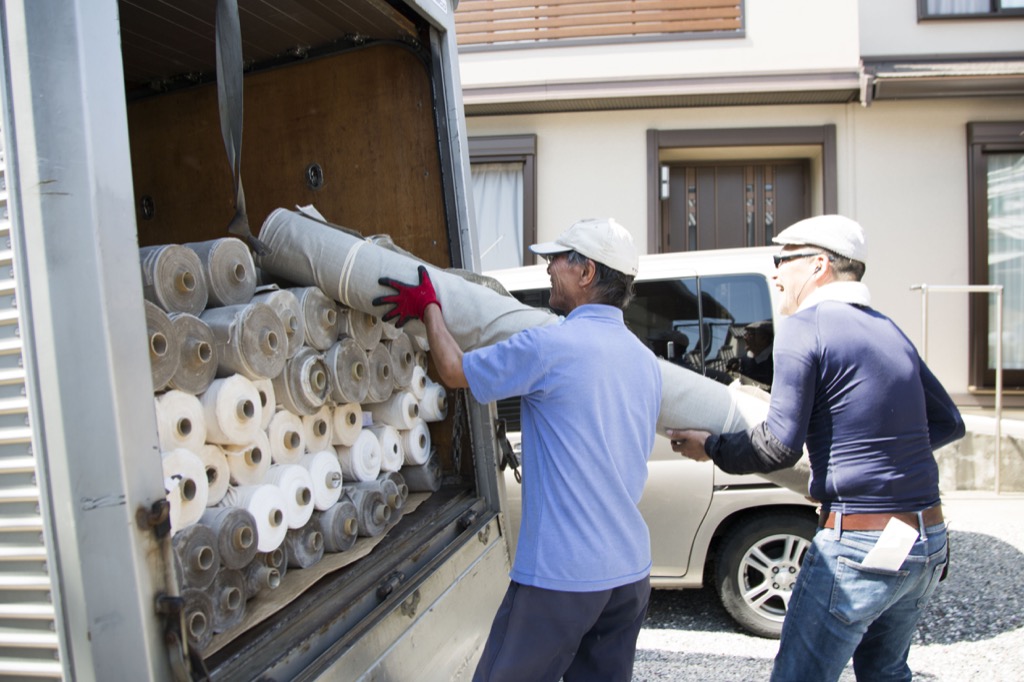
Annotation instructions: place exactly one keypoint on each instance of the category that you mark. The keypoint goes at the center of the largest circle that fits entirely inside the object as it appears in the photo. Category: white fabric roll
(434, 405)
(197, 367)
(248, 463)
(325, 473)
(233, 410)
(218, 474)
(288, 308)
(361, 460)
(382, 381)
(365, 328)
(391, 455)
(268, 401)
(287, 438)
(418, 383)
(400, 410)
(228, 268)
(317, 429)
(186, 486)
(294, 480)
(266, 503)
(164, 345)
(321, 315)
(347, 422)
(172, 277)
(416, 443)
(180, 421)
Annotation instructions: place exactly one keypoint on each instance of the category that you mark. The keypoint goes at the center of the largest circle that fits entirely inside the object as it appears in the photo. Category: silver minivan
(711, 312)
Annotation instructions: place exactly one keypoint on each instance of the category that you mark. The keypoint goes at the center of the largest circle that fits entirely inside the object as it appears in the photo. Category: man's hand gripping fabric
(410, 301)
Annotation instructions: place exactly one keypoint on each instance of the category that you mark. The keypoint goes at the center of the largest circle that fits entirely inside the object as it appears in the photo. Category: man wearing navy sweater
(851, 386)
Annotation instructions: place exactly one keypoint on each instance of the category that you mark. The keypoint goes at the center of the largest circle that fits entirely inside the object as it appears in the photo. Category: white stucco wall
(891, 28)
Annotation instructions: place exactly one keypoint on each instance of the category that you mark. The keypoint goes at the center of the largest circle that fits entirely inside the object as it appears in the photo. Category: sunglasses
(785, 258)
(551, 257)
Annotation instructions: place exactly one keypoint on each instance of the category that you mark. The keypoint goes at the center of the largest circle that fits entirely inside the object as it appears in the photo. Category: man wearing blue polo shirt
(591, 394)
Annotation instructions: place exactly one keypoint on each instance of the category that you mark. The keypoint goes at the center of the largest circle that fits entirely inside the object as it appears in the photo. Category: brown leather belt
(931, 516)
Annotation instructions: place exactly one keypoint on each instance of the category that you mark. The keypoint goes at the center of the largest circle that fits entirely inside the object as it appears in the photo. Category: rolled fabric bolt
(198, 617)
(346, 423)
(236, 533)
(366, 329)
(425, 478)
(389, 331)
(164, 345)
(421, 359)
(403, 360)
(434, 405)
(400, 410)
(305, 546)
(172, 278)
(229, 270)
(418, 382)
(382, 384)
(416, 443)
(266, 503)
(228, 593)
(348, 371)
(391, 455)
(388, 488)
(268, 401)
(259, 577)
(421, 346)
(180, 421)
(248, 464)
(325, 472)
(232, 409)
(251, 340)
(288, 308)
(287, 438)
(218, 475)
(372, 510)
(321, 316)
(399, 482)
(317, 429)
(186, 486)
(361, 460)
(197, 367)
(338, 525)
(196, 555)
(297, 485)
(302, 386)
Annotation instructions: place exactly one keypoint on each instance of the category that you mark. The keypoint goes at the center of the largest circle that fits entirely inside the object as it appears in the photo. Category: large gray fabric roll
(164, 345)
(172, 277)
(289, 310)
(198, 353)
(302, 386)
(229, 270)
(348, 368)
(250, 340)
(321, 315)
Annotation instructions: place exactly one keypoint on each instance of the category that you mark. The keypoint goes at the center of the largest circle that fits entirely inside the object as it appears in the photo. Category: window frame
(996, 11)
(513, 149)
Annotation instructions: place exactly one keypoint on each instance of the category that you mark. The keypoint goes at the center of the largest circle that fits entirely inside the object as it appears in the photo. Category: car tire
(757, 566)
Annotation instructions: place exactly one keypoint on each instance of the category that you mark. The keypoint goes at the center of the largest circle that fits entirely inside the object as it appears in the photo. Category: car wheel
(757, 567)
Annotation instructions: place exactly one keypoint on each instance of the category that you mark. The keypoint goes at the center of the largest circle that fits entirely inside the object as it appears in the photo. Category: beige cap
(836, 233)
(599, 239)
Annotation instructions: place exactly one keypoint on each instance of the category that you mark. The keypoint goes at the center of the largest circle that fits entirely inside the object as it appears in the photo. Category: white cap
(836, 233)
(599, 239)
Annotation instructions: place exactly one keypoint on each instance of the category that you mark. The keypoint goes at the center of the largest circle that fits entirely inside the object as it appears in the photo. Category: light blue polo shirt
(591, 394)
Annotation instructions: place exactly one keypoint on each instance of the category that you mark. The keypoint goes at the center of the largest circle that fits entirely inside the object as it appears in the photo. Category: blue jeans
(839, 609)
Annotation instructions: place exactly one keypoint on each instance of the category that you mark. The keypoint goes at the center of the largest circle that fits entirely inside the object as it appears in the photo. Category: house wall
(889, 28)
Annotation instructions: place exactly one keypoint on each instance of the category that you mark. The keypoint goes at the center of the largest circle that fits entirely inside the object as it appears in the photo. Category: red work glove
(411, 301)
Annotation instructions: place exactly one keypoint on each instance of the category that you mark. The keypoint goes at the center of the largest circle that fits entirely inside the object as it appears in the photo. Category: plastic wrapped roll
(287, 438)
(228, 268)
(259, 577)
(348, 371)
(361, 460)
(218, 475)
(320, 315)
(180, 421)
(251, 340)
(416, 443)
(185, 483)
(198, 617)
(228, 592)
(389, 331)
(232, 410)
(398, 481)
(434, 405)
(197, 366)
(295, 482)
(382, 383)
(392, 495)
(266, 503)
(196, 556)
(172, 277)
(164, 345)
(400, 410)
(305, 546)
(418, 383)
(366, 329)
(302, 386)
(325, 473)
(391, 455)
(403, 360)
(248, 464)
(268, 401)
(372, 510)
(346, 423)
(425, 478)
(317, 429)
(235, 530)
(338, 525)
(288, 308)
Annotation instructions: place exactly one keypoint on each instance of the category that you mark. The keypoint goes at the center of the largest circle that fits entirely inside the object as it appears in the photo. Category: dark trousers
(543, 635)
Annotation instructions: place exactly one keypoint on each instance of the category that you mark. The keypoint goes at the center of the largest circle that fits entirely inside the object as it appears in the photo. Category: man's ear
(589, 273)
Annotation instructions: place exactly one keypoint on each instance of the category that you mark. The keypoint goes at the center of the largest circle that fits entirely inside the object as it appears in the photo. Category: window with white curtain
(504, 199)
(932, 9)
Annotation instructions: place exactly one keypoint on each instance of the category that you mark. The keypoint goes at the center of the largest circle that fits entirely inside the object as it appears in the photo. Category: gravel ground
(973, 626)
